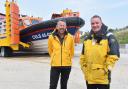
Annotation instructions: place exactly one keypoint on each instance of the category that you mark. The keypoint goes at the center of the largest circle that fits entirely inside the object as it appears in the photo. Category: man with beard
(61, 50)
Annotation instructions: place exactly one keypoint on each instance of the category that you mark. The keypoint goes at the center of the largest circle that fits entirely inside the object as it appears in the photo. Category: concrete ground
(32, 72)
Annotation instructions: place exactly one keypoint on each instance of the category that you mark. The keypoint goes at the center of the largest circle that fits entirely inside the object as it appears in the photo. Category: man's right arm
(83, 59)
(50, 46)
(82, 56)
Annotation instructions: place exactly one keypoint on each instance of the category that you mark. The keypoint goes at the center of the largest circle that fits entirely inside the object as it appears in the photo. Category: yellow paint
(5, 38)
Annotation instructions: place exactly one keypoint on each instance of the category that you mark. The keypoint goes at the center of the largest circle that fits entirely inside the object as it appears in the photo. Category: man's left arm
(113, 54)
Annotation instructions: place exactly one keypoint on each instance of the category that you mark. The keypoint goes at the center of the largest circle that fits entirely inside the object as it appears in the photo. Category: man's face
(61, 26)
(96, 24)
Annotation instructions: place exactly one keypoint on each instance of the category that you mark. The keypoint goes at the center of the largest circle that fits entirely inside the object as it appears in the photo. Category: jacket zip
(61, 50)
(61, 55)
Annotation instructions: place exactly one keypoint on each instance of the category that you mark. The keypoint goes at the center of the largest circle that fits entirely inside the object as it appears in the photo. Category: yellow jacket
(61, 54)
(96, 57)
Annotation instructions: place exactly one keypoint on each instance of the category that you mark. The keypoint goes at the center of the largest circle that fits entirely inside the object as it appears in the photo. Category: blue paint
(43, 35)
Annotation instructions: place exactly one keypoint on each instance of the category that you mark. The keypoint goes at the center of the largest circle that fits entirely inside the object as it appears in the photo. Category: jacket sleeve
(83, 59)
(113, 53)
(72, 47)
(50, 46)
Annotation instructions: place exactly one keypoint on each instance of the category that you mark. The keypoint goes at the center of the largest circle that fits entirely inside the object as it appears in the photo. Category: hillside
(122, 36)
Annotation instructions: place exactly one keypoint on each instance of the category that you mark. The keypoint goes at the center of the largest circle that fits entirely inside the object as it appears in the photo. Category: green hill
(122, 36)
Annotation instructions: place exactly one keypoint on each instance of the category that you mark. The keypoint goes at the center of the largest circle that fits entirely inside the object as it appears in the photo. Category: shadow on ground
(29, 55)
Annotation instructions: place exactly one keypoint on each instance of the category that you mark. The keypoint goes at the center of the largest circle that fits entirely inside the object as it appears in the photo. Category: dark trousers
(98, 86)
(55, 74)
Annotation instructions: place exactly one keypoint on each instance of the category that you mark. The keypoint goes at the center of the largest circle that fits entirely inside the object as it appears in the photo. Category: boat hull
(37, 34)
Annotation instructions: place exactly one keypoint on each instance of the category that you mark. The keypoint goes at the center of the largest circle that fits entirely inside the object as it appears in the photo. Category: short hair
(96, 16)
(63, 20)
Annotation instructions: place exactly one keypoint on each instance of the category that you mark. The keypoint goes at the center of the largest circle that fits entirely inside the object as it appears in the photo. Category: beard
(62, 29)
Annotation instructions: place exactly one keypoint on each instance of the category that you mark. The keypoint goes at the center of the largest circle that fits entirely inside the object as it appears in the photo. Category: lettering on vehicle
(39, 36)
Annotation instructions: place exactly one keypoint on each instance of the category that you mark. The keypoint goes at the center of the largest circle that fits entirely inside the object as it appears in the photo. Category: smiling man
(61, 50)
(99, 54)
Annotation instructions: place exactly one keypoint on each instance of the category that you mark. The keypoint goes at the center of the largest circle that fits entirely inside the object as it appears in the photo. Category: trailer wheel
(6, 52)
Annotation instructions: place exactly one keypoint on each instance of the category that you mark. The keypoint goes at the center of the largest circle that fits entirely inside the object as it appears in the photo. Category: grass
(122, 36)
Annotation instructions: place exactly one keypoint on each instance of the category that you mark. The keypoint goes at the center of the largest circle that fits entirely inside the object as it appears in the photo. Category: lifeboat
(35, 31)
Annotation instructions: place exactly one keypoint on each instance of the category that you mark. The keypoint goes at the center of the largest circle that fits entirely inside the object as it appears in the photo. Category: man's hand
(110, 68)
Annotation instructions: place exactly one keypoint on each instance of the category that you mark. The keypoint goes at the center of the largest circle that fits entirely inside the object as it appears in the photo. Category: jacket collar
(101, 32)
(55, 33)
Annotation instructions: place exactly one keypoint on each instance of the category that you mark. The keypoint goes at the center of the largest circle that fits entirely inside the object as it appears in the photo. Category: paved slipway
(32, 72)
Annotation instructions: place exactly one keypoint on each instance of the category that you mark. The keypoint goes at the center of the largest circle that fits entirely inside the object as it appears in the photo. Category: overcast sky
(114, 13)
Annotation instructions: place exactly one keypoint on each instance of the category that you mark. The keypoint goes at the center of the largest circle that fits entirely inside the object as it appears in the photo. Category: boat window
(20, 23)
(1, 19)
(2, 30)
(2, 27)
(27, 22)
(0, 23)
(35, 21)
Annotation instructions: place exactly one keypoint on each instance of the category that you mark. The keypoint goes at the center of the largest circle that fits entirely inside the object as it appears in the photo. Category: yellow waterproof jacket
(61, 54)
(96, 57)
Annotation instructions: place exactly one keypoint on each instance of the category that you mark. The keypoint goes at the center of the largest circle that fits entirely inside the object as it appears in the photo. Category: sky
(114, 13)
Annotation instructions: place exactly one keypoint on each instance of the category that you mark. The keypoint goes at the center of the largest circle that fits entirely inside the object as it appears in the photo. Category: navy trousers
(59, 72)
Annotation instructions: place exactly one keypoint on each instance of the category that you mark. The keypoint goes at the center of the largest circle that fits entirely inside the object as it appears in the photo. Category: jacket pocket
(85, 72)
(52, 59)
(66, 57)
(98, 72)
(67, 60)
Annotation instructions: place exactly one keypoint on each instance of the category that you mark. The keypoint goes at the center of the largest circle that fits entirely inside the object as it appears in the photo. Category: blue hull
(43, 34)
(42, 30)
